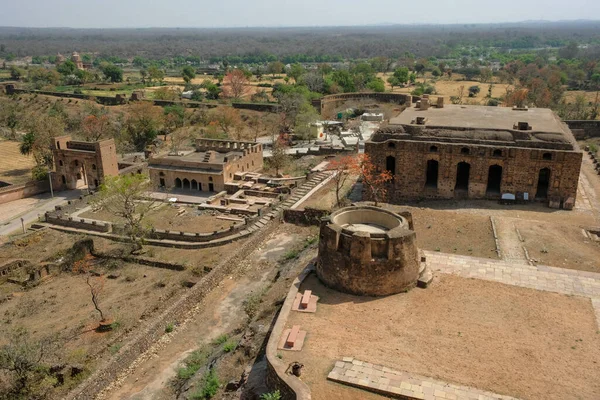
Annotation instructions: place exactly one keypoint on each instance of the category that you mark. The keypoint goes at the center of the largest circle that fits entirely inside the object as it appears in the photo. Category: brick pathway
(398, 384)
(540, 277)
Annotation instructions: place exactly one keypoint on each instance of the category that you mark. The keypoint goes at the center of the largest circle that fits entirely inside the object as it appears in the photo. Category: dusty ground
(454, 232)
(325, 198)
(168, 217)
(222, 312)
(459, 330)
(450, 86)
(15, 168)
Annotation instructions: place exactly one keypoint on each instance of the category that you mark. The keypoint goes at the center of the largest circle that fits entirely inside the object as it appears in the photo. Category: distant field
(15, 168)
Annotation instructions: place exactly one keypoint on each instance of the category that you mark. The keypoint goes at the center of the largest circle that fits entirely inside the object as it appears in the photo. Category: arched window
(497, 153)
(547, 156)
(392, 145)
(96, 182)
(93, 167)
(433, 149)
(465, 151)
(161, 174)
(210, 179)
(60, 162)
(64, 179)
(77, 163)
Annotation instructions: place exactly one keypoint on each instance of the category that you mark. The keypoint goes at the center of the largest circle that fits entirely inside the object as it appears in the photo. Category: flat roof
(482, 117)
(198, 156)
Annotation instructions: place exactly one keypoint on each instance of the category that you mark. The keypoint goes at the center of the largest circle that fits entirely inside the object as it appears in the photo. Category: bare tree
(344, 168)
(279, 158)
(235, 84)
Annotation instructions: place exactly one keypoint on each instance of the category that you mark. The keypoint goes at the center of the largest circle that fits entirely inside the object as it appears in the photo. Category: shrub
(114, 349)
(474, 90)
(276, 395)
(191, 365)
(229, 346)
(221, 339)
(170, 327)
(290, 255)
(493, 102)
(210, 387)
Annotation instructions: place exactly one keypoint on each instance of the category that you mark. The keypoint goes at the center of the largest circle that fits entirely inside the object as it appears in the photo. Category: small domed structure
(369, 251)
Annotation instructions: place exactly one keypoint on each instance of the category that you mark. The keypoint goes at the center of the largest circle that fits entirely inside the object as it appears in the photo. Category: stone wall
(364, 262)
(16, 192)
(333, 101)
(304, 216)
(78, 223)
(520, 169)
(290, 387)
(584, 129)
(195, 237)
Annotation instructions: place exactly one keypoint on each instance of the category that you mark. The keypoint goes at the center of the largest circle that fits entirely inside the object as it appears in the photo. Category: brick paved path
(398, 384)
(559, 280)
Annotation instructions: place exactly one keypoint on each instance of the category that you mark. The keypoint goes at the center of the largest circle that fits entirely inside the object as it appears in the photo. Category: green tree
(67, 68)
(296, 71)
(112, 72)
(345, 80)
(188, 73)
(16, 73)
(143, 123)
(401, 74)
(376, 85)
(155, 74)
(123, 196)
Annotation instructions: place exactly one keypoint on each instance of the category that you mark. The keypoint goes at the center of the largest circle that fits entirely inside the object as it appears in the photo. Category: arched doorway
(390, 165)
(178, 183)
(432, 174)
(186, 183)
(494, 180)
(543, 183)
(463, 171)
(194, 184)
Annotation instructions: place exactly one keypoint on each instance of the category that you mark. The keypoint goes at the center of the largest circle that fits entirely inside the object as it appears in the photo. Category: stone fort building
(478, 152)
(208, 168)
(79, 164)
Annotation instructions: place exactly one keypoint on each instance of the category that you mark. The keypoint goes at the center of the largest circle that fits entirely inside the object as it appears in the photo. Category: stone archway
(463, 174)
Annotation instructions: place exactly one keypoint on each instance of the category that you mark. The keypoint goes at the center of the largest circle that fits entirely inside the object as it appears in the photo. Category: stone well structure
(368, 251)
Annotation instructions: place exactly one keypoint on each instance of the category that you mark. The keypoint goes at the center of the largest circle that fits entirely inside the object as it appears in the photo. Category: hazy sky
(236, 13)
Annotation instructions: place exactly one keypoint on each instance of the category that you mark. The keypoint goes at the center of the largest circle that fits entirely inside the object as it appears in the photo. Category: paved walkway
(540, 277)
(30, 208)
(399, 384)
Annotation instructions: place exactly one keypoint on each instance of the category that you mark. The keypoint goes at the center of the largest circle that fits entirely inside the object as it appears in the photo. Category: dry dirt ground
(221, 312)
(450, 87)
(60, 305)
(169, 217)
(464, 331)
(15, 168)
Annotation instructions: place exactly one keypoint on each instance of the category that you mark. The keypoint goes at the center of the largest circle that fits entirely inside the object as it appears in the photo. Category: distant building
(75, 58)
(208, 168)
(80, 164)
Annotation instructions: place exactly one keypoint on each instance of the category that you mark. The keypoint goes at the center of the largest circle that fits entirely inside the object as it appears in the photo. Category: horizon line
(381, 24)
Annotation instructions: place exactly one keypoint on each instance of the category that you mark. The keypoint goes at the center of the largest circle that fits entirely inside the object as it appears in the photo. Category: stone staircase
(298, 193)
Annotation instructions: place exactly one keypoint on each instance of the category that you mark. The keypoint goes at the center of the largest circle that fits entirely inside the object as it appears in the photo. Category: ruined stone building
(82, 164)
(207, 168)
(478, 152)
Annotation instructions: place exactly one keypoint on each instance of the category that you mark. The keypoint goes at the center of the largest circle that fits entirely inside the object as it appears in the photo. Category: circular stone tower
(368, 251)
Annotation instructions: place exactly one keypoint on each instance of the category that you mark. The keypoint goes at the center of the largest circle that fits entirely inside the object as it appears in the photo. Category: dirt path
(220, 313)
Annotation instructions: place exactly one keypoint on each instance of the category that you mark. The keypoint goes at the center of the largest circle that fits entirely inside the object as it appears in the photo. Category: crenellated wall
(368, 251)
